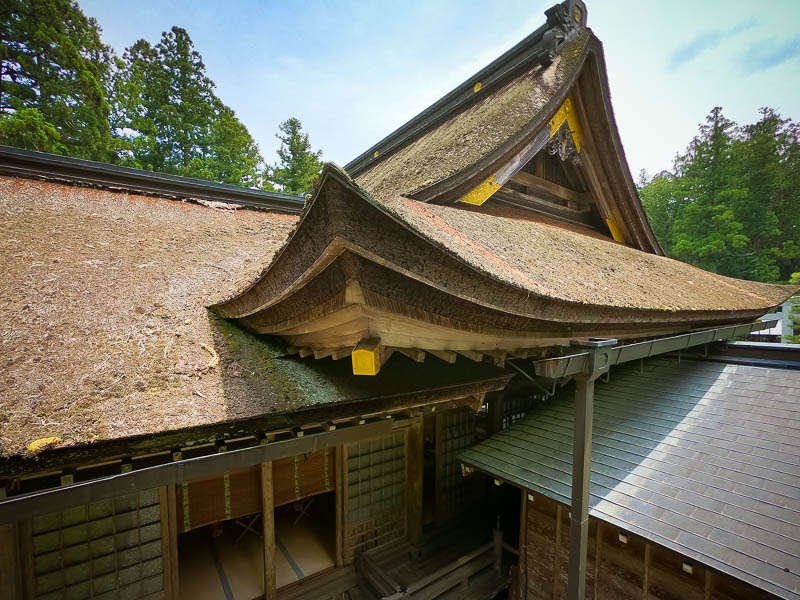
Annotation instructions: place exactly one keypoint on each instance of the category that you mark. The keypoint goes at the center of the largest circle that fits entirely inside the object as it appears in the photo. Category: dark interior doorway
(305, 538)
(222, 561)
(429, 469)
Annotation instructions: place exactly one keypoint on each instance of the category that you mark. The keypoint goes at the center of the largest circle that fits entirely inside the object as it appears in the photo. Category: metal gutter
(566, 366)
(41, 165)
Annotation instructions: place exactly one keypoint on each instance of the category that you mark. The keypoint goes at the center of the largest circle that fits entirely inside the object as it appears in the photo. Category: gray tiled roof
(703, 458)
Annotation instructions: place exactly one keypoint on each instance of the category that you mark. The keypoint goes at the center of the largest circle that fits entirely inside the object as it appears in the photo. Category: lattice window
(107, 549)
(515, 407)
(376, 475)
(456, 434)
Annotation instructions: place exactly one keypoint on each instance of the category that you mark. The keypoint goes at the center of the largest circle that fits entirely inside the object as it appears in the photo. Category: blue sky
(354, 71)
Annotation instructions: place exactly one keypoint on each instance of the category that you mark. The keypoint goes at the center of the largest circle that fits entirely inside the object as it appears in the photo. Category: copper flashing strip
(27, 506)
(41, 165)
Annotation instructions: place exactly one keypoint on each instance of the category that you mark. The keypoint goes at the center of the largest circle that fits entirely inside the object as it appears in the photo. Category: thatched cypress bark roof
(106, 334)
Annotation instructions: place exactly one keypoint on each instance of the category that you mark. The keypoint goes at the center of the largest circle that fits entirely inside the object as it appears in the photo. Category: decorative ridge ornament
(565, 22)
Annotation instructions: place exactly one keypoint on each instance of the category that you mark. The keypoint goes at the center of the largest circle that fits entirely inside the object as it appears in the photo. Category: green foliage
(171, 121)
(28, 128)
(54, 70)
(794, 315)
(299, 165)
(63, 91)
(731, 203)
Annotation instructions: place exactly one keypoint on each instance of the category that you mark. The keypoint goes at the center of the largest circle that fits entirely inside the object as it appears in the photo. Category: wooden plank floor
(406, 564)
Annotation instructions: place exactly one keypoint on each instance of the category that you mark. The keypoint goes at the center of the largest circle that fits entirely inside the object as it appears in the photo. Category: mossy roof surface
(571, 266)
(105, 332)
(473, 133)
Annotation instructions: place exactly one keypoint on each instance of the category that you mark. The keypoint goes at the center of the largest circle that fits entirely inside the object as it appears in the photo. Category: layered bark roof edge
(497, 248)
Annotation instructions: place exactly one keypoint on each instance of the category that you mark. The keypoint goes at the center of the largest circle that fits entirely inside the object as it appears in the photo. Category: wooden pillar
(347, 551)
(268, 519)
(581, 472)
(340, 490)
(646, 572)
(169, 541)
(414, 473)
(523, 544)
(10, 571)
(172, 507)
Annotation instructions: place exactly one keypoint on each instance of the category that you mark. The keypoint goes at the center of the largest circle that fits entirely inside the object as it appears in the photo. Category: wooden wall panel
(547, 569)
(540, 540)
(635, 569)
(10, 569)
(455, 494)
(305, 475)
(374, 507)
(725, 587)
(621, 566)
(208, 502)
(205, 501)
(245, 490)
(668, 581)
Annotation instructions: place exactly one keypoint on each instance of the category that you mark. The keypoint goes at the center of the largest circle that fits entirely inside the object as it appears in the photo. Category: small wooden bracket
(445, 355)
(414, 354)
(471, 354)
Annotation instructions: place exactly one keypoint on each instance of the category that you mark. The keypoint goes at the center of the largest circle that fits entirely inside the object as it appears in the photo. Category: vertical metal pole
(581, 472)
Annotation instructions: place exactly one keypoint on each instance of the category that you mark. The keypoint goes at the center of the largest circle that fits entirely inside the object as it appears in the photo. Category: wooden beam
(445, 355)
(26, 506)
(304, 352)
(543, 186)
(324, 353)
(268, 520)
(368, 357)
(414, 354)
(292, 350)
(339, 353)
(471, 354)
(414, 478)
(543, 206)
